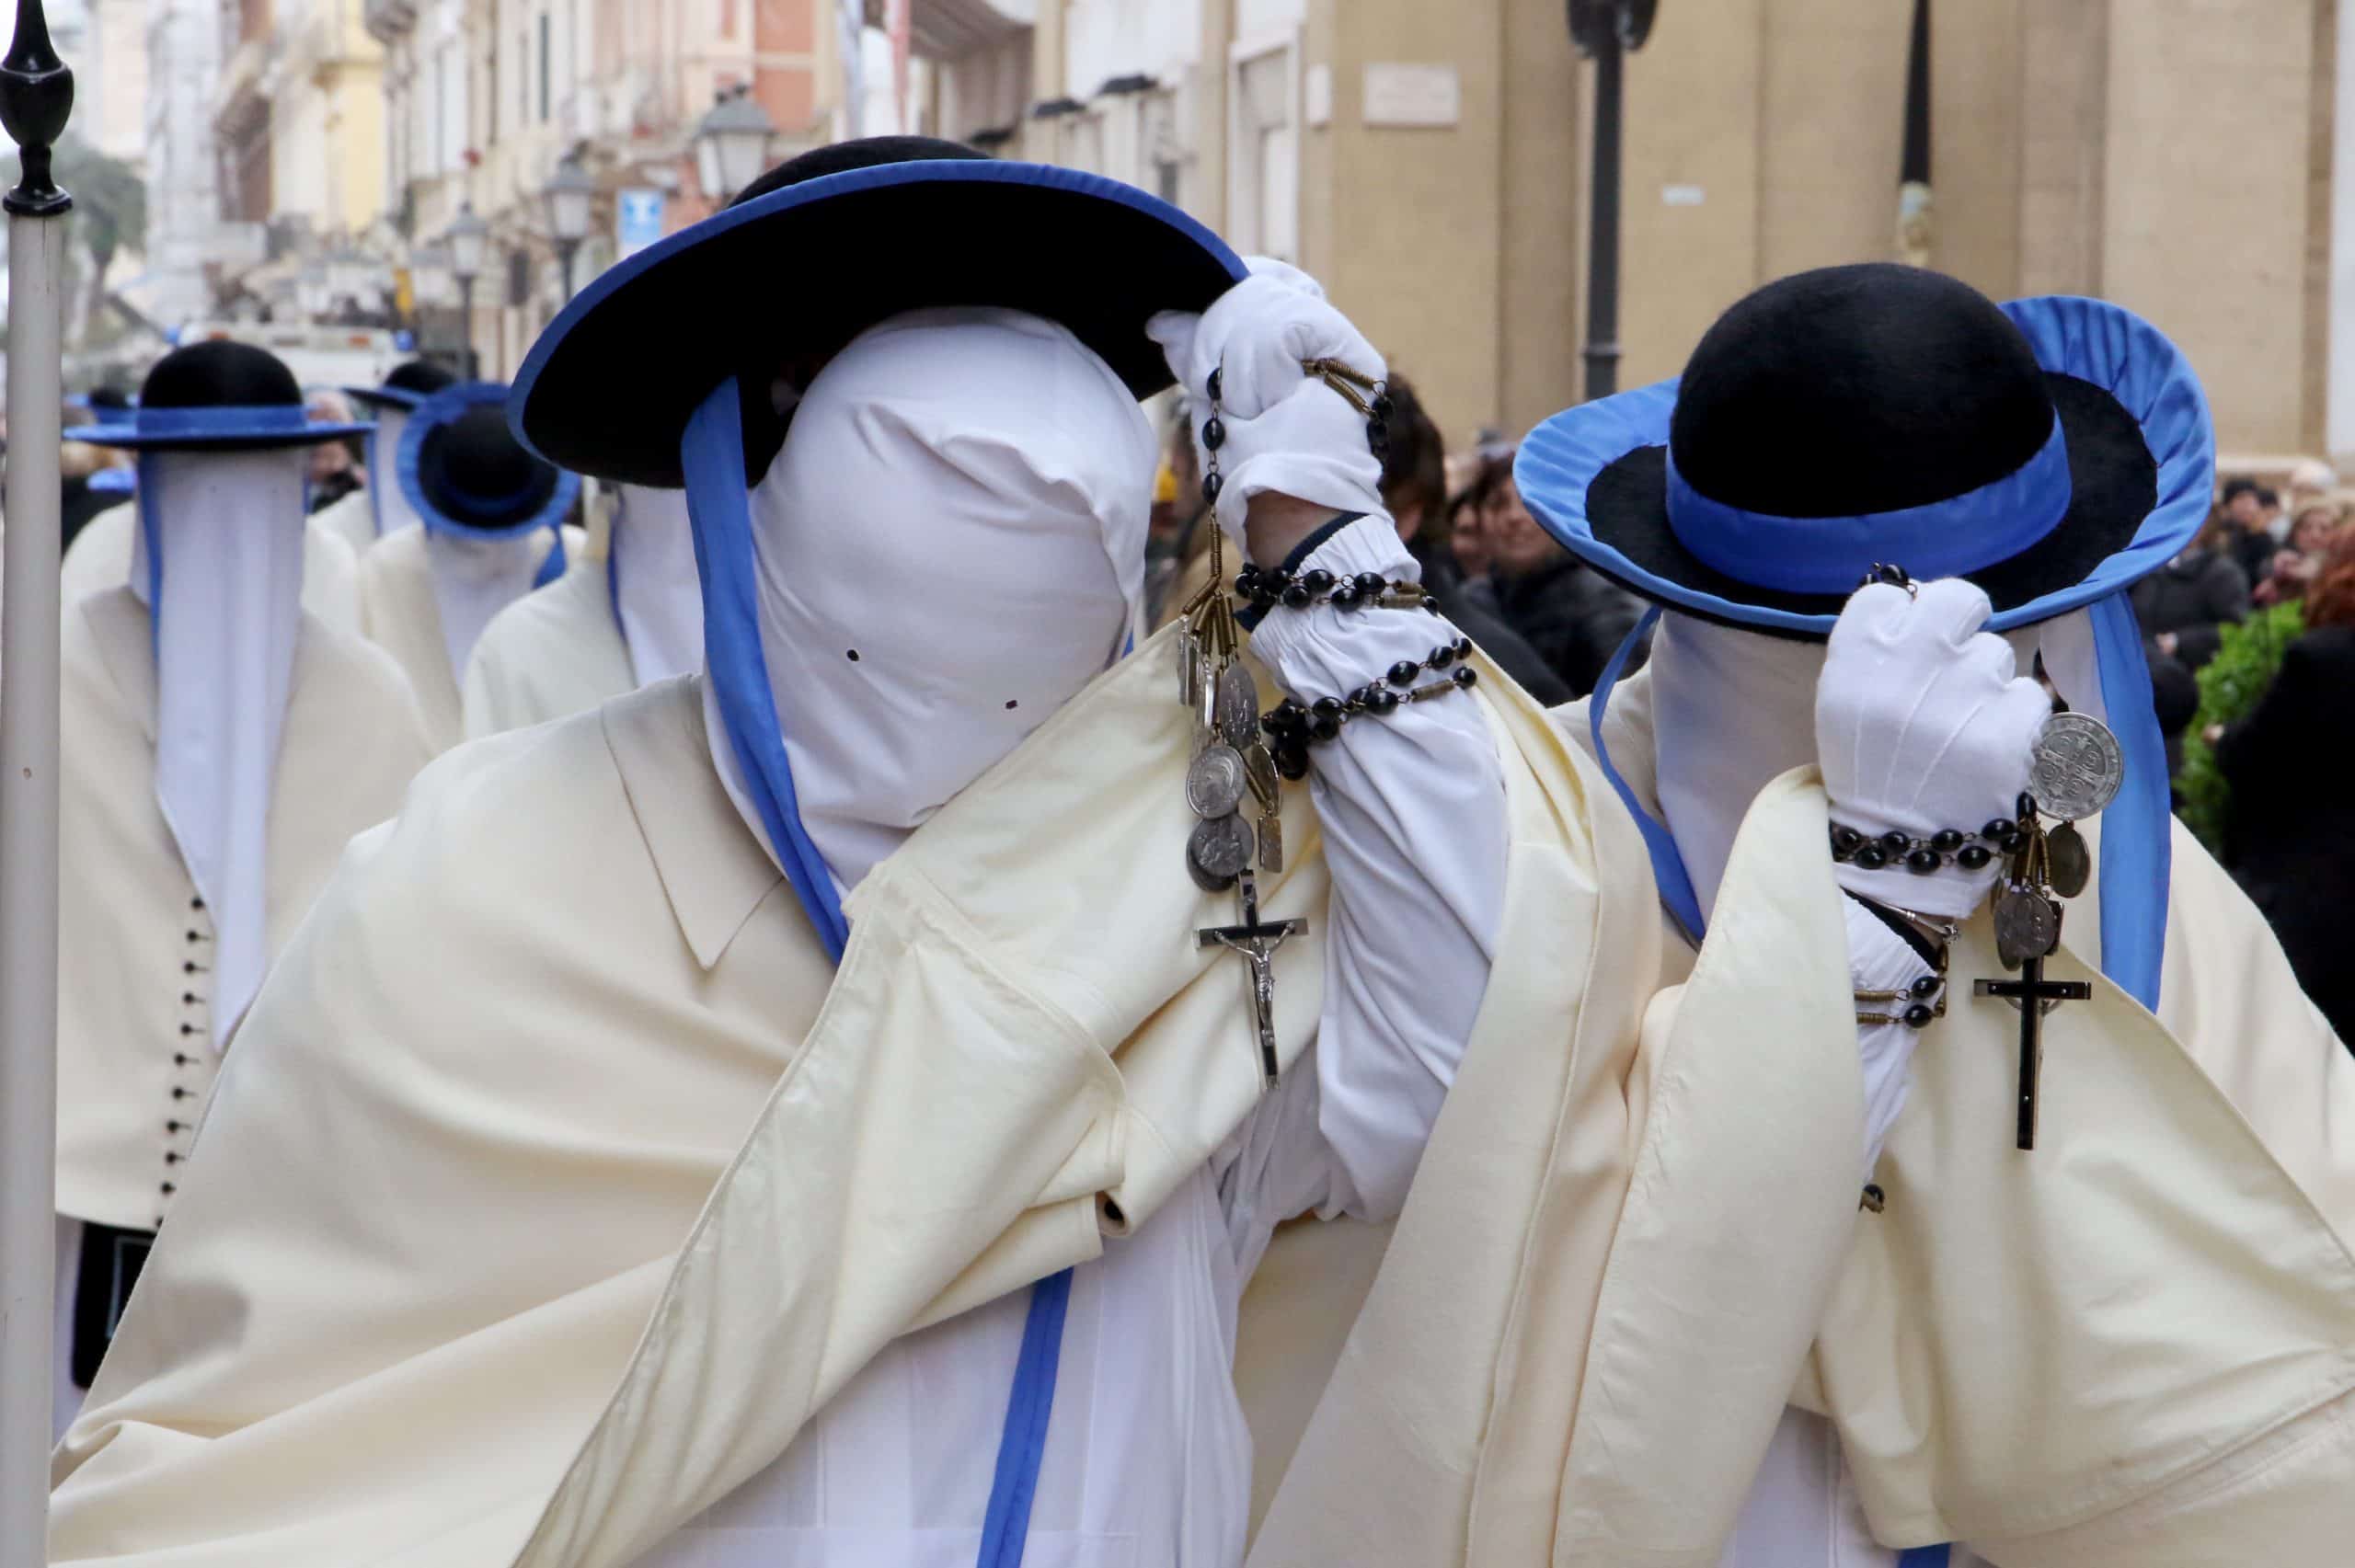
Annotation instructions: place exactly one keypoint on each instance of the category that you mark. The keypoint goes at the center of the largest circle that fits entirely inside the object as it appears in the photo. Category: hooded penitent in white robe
(99, 560)
(219, 751)
(630, 613)
(2132, 1347)
(381, 505)
(606, 1231)
(425, 598)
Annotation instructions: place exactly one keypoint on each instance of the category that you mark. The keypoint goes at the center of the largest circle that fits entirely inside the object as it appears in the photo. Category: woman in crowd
(1575, 618)
(2290, 838)
(2296, 563)
(2184, 605)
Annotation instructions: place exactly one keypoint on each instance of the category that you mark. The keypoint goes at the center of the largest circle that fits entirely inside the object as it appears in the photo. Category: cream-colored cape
(550, 653)
(135, 1058)
(99, 559)
(351, 519)
(547, 1202)
(2133, 1346)
(399, 614)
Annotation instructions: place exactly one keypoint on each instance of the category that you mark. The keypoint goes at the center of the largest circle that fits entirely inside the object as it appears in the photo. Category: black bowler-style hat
(464, 472)
(405, 386)
(216, 395)
(2052, 451)
(824, 247)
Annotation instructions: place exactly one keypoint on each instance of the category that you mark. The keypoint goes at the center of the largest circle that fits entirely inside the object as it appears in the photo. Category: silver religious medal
(1239, 706)
(1260, 771)
(1217, 852)
(1190, 669)
(2072, 864)
(2027, 925)
(1271, 841)
(1215, 782)
(1205, 704)
(2076, 767)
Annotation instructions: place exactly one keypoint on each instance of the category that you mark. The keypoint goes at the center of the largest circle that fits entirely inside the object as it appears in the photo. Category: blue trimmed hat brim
(440, 409)
(791, 277)
(1594, 476)
(130, 438)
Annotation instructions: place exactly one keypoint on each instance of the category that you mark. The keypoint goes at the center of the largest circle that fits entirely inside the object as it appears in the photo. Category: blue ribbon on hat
(719, 514)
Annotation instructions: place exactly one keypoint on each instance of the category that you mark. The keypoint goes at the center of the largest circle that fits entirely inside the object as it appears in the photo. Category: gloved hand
(1286, 431)
(1921, 725)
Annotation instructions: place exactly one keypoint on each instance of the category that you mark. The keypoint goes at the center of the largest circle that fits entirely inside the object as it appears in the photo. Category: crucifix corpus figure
(1257, 943)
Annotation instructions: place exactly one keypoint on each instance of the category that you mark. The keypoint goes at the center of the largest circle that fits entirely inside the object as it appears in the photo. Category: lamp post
(572, 191)
(36, 97)
(468, 238)
(732, 144)
(1607, 31)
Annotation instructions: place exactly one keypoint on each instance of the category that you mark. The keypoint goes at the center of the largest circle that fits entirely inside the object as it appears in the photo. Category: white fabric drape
(218, 558)
(476, 576)
(386, 497)
(657, 593)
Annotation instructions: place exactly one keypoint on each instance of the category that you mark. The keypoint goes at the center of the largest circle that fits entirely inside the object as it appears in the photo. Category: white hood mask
(657, 595)
(385, 493)
(949, 546)
(219, 546)
(1733, 710)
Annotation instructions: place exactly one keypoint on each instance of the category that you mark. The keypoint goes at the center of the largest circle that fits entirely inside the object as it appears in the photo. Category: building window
(1161, 159)
(545, 52)
(1264, 157)
(1084, 143)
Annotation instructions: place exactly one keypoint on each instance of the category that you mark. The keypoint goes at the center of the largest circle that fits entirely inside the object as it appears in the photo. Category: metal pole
(1602, 239)
(36, 96)
(466, 327)
(565, 251)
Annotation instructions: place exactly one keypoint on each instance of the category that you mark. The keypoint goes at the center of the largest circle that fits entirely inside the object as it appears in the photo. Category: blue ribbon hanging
(719, 514)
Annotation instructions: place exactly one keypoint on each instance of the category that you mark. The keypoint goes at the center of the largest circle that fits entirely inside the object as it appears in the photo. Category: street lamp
(732, 144)
(469, 241)
(570, 193)
(1607, 31)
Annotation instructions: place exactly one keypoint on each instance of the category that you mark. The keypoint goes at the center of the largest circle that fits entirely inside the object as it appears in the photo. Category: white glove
(1286, 431)
(1920, 725)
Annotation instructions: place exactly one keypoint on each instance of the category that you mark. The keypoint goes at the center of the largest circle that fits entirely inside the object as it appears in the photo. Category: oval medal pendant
(1260, 771)
(2076, 767)
(1214, 784)
(1217, 850)
(1190, 669)
(2072, 864)
(2027, 925)
(1239, 706)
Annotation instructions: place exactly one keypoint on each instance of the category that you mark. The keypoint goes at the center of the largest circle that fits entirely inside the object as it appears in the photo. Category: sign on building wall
(637, 219)
(1413, 95)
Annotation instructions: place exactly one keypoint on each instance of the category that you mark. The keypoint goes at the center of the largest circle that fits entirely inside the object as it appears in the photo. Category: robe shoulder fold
(550, 653)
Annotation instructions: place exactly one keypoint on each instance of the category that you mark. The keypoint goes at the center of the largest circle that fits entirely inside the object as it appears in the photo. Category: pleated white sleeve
(1412, 807)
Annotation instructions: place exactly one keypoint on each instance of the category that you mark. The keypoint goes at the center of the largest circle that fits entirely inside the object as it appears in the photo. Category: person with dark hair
(2288, 833)
(2183, 606)
(378, 506)
(1414, 488)
(2243, 530)
(1571, 613)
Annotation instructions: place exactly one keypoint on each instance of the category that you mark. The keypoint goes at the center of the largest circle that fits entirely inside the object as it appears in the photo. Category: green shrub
(2231, 684)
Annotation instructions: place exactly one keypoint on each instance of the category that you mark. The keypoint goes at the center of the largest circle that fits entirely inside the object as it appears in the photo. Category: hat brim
(2141, 471)
(385, 396)
(797, 273)
(440, 409)
(130, 438)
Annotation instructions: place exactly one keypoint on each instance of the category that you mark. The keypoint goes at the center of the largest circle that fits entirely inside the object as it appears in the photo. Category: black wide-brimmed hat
(464, 472)
(823, 247)
(405, 386)
(215, 395)
(2051, 450)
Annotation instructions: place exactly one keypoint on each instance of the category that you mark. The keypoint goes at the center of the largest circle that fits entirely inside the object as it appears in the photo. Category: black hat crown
(420, 376)
(1857, 390)
(218, 373)
(841, 157)
(474, 471)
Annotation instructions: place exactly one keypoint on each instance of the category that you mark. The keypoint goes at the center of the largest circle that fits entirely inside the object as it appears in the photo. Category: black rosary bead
(1440, 656)
(1927, 986)
(1295, 597)
(1291, 759)
(1465, 677)
(1345, 596)
(1212, 388)
(1214, 433)
(2000, 827)
(1246, 581)
(1370, 585)
(1383, 406)
(1326, 707)
(1211, 483)
(1972, 857)
(1921, 863)
(1918, 1016)
(1377, 436)
(1324, 726)
(1895, 843)
(1872, 857)
(1403, 673)
(1318, 580)
(1845, 842)
(1946, 841)
(1463, 647)
(1386, 702)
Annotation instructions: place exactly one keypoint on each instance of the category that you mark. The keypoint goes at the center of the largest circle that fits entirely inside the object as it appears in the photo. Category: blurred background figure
(2183, 604)
(2290, 832)
(335, 470)
(1574, 618)
(2314, 526)
(2242, 530)
(1176, 545)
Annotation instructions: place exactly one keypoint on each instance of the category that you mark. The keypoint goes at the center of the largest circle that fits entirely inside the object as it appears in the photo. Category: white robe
(554, 652)
(401, 612)
(99, 558)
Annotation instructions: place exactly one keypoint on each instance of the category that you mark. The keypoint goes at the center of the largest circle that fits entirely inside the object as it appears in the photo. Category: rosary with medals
(2075, 772)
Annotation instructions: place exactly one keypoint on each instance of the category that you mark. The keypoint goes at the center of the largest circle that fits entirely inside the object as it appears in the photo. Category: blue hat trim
(720, 512)
(113, 482)
(225, 424)
(999, 171)
(442, 409)
(2092, 341)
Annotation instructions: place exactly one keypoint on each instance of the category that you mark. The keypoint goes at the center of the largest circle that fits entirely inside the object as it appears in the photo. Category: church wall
(1982, 114)
(1544, 158)
(1831, 116)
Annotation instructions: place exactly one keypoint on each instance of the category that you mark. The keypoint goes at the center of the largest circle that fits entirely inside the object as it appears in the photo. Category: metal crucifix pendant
(1256, 941)
(2034, 996)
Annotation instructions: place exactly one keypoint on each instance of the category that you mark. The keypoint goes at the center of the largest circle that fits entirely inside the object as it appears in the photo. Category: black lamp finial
(36, 97)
